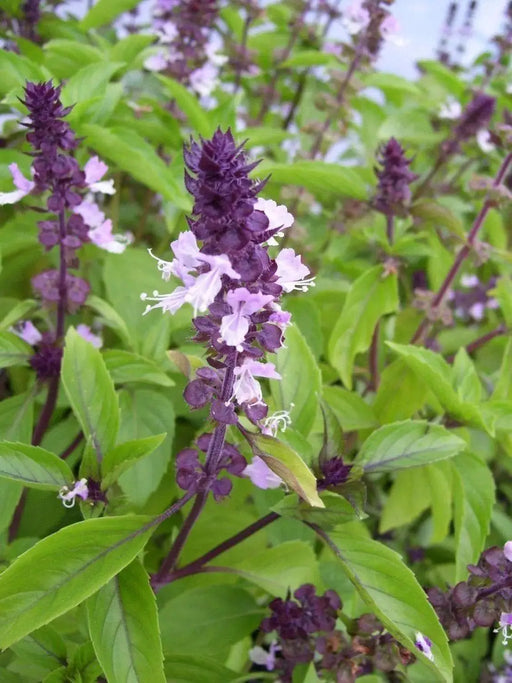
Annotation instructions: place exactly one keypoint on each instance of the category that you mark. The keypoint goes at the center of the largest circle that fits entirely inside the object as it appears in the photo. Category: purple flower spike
(393, 192)
(226, 273)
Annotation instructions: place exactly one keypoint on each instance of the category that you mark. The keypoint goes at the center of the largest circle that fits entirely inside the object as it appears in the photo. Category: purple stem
(213, 456)
(481, 341)
(340, 96)
(463, 253)
(197, 565)
(265, 106)
(243, 47)
(53, 388)
(76, 441)
(390, 228)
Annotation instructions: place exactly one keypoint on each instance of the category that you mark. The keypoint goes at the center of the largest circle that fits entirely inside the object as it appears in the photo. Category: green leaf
(124, 456)
(465, 378)
(110, 317)
(276, 569)
(439, 216)
(125, 366)
(438, 376)
(20, 310)
(90, 391)
(391, 590)
(474, 494)
(409, 496)
(264, 136)
(104, 11)
(65, 57)
(370, 297)
(186, 668)
(65, 568)
(16, 418)
(391, 405)
(351, 410)
(13, 350)
(410, 125)
(144, 413)
(189, 105)
(16, 69)
(299, 389)
(310, 58)
(407, 444)
(208, 619)
(337, 510)
(126, 148)
(386, 81)
(288, 465)
(88, 82)
(123, 623)
(33, 466)
(316, 177)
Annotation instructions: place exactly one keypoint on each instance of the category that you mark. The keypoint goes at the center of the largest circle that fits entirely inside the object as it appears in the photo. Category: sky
(421, 22)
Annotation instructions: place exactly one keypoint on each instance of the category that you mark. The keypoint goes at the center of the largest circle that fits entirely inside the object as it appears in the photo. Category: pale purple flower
(248, 389)
(235, 326)
(279, 317)
(424, 645)
(355, 18)
(451, 109)
(505, 627)
(27, 331)
(204, 79)
(261, 475)
(156, 62)
(389, 30)
(68, 495)
(102, 237)
(200, 291)
(94, 170)
(477, 311)
(469, 281)
(507, 550)
(212, 53)
(260, 656)
(277, 214)
(91, 213)
(167, 32)
(291, 272)
(23, 187)
(483, 139)
(86, 333)
(207, 285)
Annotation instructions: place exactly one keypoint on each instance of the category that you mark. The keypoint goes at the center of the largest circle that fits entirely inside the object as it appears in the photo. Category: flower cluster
(473, 119)
(72, 222)
(185, 46)
(484, 599)
(471, 302)
(234, 284)
(56, 171)
(305, 631)
(376, 21)
(393, 192)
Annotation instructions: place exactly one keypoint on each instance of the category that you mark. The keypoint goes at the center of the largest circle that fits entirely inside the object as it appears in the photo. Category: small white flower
(451, 109)
(483, 139)
(505, 627)
(278, 421)
(68, 495)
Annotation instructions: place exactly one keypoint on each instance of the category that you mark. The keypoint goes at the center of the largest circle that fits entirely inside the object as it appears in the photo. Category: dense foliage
(255, 313)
